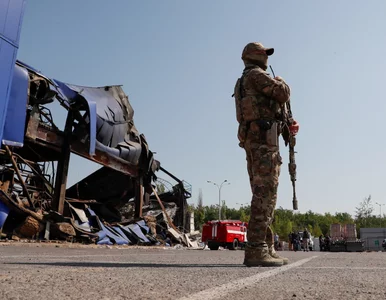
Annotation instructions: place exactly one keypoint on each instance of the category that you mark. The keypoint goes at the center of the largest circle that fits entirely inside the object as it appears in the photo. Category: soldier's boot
(274, 254)
(259, 257)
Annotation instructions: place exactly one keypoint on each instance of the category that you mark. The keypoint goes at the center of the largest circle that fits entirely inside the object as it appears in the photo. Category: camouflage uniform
(259, 99)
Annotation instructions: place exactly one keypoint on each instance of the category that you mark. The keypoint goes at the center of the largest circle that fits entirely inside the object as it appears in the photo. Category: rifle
(289, 140)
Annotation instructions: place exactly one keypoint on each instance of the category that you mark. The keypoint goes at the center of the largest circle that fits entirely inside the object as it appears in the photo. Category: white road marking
(223, 290)
(78, 255)
(346, 268)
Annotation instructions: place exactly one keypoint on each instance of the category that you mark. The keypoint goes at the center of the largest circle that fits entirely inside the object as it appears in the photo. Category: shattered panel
(116, 134)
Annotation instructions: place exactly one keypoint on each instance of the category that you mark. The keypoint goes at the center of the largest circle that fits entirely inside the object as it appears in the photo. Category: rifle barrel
(294, 200)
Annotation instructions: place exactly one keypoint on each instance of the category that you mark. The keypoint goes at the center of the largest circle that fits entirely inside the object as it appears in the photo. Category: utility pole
(380, 213)
(219, 195)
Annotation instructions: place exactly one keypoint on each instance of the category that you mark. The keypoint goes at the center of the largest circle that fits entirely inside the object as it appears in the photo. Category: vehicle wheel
(213, 246)
(234, 245)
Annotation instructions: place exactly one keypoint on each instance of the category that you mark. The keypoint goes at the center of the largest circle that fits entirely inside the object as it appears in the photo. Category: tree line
(287, 221)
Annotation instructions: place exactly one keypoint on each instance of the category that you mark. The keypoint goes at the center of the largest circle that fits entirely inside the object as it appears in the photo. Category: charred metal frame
(182, 191)
(24, 177)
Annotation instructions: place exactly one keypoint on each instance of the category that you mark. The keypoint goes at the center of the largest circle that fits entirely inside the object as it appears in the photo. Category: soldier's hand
(294, 127)
(279, 78)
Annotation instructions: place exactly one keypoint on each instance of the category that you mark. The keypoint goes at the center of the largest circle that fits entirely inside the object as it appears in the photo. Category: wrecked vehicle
(117, 204)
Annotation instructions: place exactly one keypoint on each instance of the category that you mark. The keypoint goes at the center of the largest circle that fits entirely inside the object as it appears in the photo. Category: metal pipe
(19, 176)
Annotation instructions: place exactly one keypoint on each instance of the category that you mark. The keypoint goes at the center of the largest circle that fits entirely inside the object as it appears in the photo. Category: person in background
(306, 238)
(321, 242)
(296, 241)
(276, 241)
(290, 245)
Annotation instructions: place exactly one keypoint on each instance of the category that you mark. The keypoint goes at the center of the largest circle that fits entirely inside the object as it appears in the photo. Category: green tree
(232, 213)
(243, 216)
(211, 213)
(317, 231)
(363, 213)
(199, 218)
(199, 212)
(344, 218)
(285, 229)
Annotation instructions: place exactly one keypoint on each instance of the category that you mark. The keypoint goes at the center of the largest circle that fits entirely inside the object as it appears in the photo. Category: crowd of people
(324, 242)
(299, 241)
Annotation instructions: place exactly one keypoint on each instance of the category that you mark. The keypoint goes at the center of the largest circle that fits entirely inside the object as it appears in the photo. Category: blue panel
(134, 228)
(123, 240)
(106, 235)
(65, 90)
(4, 210)
(143, 226)
(16, 113)
(120, 231)
(7, 63)
(93, 117)
(104, 241)
(129, 234)
(4, 4)
(11, 16)
(13, 20)
(113, 236)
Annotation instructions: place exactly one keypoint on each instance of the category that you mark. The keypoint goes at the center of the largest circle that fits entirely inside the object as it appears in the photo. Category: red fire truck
(229, 234)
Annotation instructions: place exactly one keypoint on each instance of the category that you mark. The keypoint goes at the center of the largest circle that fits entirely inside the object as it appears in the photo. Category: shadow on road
(124, 265)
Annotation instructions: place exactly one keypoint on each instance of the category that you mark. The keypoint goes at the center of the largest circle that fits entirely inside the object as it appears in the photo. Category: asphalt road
(34, 271)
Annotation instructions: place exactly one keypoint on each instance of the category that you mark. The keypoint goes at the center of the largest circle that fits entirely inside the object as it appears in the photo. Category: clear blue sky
(178, 62)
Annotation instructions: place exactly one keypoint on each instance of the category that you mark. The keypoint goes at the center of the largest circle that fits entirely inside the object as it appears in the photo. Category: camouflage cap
(253, 49)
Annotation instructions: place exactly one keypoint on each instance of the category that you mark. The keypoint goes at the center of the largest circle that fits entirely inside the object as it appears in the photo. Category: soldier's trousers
(263, 162)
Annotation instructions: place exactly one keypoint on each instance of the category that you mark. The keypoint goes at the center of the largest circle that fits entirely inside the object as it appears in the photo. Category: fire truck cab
(230, 234)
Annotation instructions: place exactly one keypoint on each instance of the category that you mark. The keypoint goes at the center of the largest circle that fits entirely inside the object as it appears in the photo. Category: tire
(213, 246)
(234, 245)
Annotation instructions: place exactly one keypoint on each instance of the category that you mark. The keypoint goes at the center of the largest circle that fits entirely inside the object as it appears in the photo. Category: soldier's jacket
(258, 97)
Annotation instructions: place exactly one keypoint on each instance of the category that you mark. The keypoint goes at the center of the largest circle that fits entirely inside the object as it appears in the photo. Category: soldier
(259, 100)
